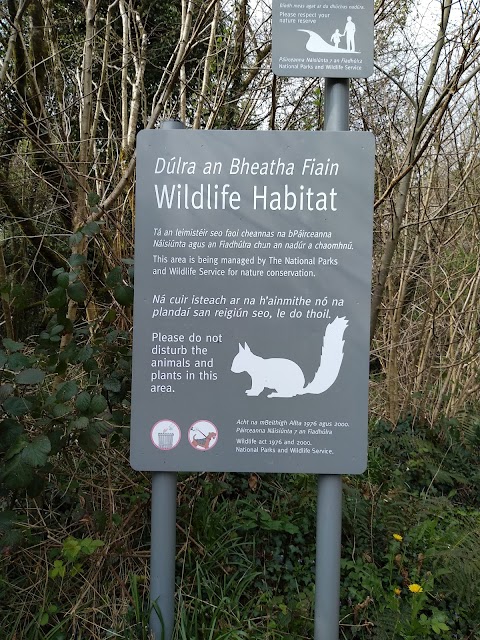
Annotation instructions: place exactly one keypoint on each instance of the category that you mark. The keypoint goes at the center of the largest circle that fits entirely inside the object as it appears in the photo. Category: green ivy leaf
(77, 259)
(57, 298)
(98, 405)
(79, 424)
(91, 228)
(11, 345)
(120, 417)
(114, 278)
(10, 432)
(77, 291)
(66, 391)
(89, 439)
(35, 454)
(16, 407)
(57, 329)
(84, 353)
(63, 280)
(5, 391)
(3, 358)
(17, 447)
(90, 365)
(30, 376)
(83, 401)
(110, 315)
(69, 353)
(17, 474)
(113, 336)
(93, 199)
(75, 238)
(60, 410)
(123, 294)
(17, 361)
(112, 384)
(102, 427)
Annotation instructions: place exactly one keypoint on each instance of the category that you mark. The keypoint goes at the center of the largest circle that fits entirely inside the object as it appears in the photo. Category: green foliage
(56, 400)
(64, 398)
(10, 536)
(72, 552)
(421, 489)
(246, 573)
(246, 548)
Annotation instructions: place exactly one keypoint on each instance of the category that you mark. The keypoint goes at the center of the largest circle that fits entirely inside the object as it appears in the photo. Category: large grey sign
(322, 39)
(252, 296)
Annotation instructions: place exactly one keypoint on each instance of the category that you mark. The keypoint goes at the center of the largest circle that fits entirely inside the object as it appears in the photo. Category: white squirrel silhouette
(285, 376)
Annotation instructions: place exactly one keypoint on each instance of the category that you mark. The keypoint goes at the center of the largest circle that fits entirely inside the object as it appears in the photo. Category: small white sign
(322, 39)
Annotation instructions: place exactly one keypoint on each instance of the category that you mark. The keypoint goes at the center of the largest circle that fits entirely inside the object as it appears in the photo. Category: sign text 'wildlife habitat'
(252, 294)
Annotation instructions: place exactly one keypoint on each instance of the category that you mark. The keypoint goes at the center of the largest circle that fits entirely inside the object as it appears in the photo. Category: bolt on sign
(322, 39)
(252, 296)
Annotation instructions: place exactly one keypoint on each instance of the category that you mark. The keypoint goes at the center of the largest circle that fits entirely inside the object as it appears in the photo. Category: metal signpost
(253, 259)
(163, 537)
(252, 294)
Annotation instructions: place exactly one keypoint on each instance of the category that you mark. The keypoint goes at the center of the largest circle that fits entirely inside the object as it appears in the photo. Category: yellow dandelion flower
(415, 588)
(398, 537)
(397, 591)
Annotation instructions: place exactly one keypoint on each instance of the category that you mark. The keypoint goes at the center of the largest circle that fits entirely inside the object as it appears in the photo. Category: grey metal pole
(336, 104)
(329, 496)
(162, 558)
(163, 542)
(327, 570)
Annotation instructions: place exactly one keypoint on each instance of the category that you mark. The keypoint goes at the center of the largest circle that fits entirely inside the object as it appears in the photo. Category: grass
(245, 549)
